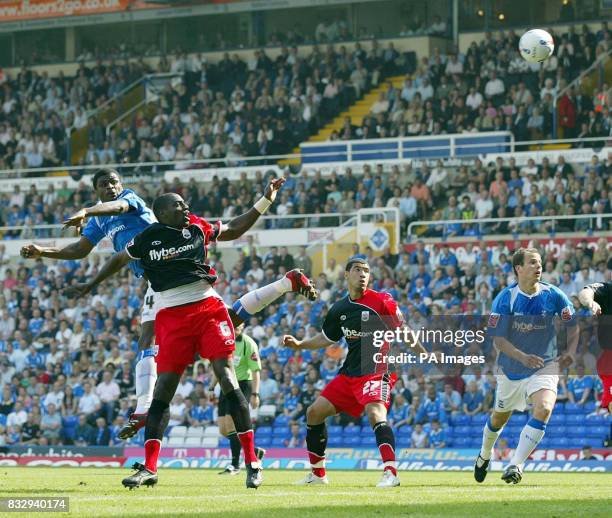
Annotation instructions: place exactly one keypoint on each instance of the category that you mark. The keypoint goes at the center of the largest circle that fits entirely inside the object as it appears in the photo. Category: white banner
(572, 156)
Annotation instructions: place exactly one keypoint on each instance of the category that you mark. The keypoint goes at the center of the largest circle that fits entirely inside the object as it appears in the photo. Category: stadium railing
(412, 234)
(486, 150)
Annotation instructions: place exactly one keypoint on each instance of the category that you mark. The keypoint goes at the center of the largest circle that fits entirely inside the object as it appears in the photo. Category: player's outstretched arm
(111, 267)
(240, 224)
(77, 250)
(528, 360)
(587, 299)
(108, 208)
(316, 342)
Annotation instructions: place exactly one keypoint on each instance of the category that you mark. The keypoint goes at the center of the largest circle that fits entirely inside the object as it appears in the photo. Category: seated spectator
(297, 439)
(84, 433)
(51, 424)
(580, 387)
(437, 436)
(101, 434)
(472, 399)
(419, 438)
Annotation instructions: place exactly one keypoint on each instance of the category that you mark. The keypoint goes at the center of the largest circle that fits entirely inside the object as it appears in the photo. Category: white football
(536, 45)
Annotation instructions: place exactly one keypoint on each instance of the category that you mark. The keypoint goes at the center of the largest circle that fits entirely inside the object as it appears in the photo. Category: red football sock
(247, 440)
(317, 463)
(152, 447)
(388, 456)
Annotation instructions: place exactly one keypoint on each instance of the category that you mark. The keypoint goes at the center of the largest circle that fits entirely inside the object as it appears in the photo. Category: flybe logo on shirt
(168, 253)
(352, 334)
(114, 230)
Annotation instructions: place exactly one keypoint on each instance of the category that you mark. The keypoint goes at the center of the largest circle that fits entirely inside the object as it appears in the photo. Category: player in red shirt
(194, 318)
(359, 385)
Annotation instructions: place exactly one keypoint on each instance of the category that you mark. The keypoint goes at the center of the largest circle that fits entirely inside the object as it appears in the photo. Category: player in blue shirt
(523, 325)
(121, 215)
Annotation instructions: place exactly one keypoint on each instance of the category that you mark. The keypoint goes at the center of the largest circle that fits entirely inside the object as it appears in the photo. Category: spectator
(101, 435)
(51, 425)
(437, 436)
(419, 438)
(472, 399)
(580, 387)
(108, 392)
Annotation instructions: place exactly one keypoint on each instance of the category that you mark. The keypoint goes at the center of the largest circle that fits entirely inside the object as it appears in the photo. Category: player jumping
(120, 215)
(352, 390)
(598, 298)
(522, 323)
(193, 317)
(247, 366)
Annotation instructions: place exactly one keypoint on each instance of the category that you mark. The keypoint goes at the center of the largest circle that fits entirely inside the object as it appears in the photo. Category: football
(536, 45)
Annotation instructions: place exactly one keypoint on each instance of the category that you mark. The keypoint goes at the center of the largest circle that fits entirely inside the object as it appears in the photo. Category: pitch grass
(97, 492)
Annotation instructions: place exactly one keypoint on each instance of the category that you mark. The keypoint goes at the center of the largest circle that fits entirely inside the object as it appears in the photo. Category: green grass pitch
(97, 492)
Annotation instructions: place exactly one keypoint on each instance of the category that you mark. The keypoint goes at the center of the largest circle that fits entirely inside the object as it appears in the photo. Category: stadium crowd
(234, 109)
(228, 109)
(419, 191)
(67, 364)
(492, 88)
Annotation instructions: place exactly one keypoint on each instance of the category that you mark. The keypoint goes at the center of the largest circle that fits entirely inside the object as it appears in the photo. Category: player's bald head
(163, 203)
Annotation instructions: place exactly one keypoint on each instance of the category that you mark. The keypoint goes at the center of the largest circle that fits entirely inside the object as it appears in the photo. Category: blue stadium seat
(404, 430)
(572, 408)
(576, 431)
(556, 431)
(598, 420)
(351, 431)
(404, 442)
(579, 442)
(2, 419)
(263, 441)
(462, 442)
(460, 420)
(574, 419)
(463, 430)
(589, 407)
(557, 419)
(479, 419)
(263, 430)
(334, 430)
(280, 431)
(353, 441)
(281, 420)
(224, 443)
(519, 419)
(368, 441)
(559, 407)
(599, 430)
(335, 441)
(365, 421)
(559, 442)
(476, 430)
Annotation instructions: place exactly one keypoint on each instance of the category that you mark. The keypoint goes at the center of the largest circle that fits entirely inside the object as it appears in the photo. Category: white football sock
(489, 437)
(146, 375)
(254, 301)
(531, 435)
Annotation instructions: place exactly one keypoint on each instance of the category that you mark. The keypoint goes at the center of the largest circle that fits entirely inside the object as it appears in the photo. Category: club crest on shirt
(566, 313)
(342, 317)
(493, 320)
(186, 233)
(365, 316)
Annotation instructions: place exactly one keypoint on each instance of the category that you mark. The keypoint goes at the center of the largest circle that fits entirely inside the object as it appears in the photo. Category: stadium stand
(72, 360)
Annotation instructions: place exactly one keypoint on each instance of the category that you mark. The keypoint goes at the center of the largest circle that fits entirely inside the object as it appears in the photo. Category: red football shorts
(202, 327)
(351, 395)
(604, 369)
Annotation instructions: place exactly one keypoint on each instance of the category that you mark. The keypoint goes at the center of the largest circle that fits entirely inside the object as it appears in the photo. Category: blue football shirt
(121, 229)
(528, 323)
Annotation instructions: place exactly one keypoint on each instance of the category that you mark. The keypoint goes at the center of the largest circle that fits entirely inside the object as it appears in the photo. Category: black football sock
(385, 439)
(316, 442)
(236, 447)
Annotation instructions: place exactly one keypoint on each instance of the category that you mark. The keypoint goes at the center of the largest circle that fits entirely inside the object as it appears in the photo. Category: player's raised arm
(77, 250)
(240, 224)
(587, 299)
(108, 208)
(316, 342)
(111, 267)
